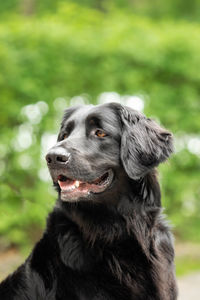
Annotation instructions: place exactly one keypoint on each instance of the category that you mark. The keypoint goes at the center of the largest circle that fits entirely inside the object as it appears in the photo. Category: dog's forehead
(103, 112)
(87, 112)
(81, 113)
(76, 114)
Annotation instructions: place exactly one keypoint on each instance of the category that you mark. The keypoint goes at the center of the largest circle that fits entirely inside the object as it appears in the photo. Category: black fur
(115, 245)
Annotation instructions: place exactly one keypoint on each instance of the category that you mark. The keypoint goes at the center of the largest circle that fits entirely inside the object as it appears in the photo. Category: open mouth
(73, 189)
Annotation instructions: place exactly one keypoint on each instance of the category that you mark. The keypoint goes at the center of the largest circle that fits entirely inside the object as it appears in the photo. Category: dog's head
(100, 147)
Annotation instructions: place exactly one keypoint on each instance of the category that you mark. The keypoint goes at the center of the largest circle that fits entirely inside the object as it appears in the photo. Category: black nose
(57, 156)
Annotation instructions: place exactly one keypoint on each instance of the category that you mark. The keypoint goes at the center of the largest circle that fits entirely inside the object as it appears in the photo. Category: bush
(80, 51)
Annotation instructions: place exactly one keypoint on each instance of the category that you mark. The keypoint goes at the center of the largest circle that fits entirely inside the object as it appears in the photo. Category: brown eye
(100, 133)
(65, 136)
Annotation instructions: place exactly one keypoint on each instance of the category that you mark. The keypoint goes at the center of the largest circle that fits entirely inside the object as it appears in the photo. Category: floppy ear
(144, 144)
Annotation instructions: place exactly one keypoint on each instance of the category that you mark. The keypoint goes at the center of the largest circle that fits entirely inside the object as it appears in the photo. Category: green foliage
(186, 264)
(83, 51)
(157, 9)
(187, 258)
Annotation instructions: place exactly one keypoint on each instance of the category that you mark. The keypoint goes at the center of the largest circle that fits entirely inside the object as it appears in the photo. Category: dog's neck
(108, 222)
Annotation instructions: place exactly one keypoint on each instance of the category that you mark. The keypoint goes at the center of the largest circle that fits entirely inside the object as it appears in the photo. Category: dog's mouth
(72, 189)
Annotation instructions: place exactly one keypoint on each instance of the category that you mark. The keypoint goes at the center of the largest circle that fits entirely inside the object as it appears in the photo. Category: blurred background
(145, 54)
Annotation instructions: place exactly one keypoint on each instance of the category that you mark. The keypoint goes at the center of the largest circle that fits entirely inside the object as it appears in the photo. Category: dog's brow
(93, 119)
(69, 125)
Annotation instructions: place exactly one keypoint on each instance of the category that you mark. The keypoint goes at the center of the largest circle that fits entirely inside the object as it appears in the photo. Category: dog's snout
(57, 156)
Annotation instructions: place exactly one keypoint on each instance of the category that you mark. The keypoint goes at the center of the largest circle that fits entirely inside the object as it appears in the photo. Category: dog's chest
(112, 271)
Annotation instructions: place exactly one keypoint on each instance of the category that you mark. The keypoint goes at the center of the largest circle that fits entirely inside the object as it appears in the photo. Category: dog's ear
(144, 144)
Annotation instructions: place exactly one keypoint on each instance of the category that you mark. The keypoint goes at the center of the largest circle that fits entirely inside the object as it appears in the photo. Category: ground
(189, 287)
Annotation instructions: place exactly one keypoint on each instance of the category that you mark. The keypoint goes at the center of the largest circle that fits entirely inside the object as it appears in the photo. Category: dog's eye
(100, 133)
(65, 136)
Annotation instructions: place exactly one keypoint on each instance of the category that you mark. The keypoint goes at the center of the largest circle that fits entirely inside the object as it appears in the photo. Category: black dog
(106, 238)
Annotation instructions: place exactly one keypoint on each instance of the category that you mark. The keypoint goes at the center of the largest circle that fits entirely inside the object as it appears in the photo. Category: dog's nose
(57, 156)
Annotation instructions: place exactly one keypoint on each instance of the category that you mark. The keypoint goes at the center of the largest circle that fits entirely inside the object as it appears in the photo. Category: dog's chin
(72, 190)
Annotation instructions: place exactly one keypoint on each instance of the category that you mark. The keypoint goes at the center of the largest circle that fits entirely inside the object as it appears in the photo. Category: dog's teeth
(77, 183)
(71, 188)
